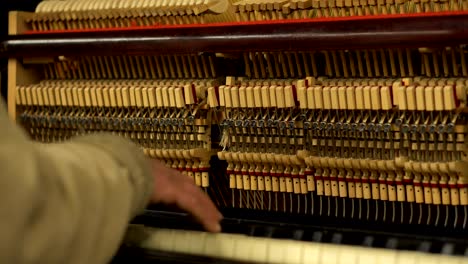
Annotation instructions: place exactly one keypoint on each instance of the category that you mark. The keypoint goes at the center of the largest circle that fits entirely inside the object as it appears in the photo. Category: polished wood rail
(389, 31)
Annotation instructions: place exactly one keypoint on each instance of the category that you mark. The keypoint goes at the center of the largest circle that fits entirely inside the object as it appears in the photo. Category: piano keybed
(373, 136)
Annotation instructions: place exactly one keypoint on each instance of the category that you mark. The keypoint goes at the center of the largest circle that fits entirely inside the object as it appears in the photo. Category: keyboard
(173, 238)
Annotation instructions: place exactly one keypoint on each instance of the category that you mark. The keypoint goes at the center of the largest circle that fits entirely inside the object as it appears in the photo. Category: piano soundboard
(326, 131)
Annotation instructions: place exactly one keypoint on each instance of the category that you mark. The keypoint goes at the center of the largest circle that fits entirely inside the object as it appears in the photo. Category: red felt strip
(435, 15)
(296, 101)
(216, 89)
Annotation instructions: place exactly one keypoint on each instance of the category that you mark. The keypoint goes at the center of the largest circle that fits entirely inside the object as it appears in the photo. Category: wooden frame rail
(392, 31)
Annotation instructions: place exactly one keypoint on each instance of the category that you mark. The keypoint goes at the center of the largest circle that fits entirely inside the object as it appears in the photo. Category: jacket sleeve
(68, 202)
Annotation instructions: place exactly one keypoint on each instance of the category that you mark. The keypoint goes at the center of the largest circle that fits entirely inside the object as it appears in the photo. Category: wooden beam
(17, 22)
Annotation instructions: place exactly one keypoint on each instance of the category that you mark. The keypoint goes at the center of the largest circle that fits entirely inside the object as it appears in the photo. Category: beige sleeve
(67, 203)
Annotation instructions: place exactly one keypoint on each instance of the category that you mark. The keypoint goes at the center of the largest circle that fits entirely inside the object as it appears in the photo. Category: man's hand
(172, 187)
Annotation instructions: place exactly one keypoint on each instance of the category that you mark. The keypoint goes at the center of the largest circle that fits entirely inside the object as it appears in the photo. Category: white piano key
(348, 255)
(160, 239)
(330, 254)
(386, 256)
(276, 252)
(181, 242)
(369, 258)
(219, 246)
(196, 244)
(407, 257)
(427, 259)
(258, 250)
(294, 251)
(311, 253)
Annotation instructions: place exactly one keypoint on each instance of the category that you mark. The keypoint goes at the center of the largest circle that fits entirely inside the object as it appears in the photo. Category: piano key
(337, 238)
(298, 234)
(259, 251)
(195, 244)
(348, 256)
(218, 246)
(368, 241)
(252, 231)
(368, 258)
(448, 249)
(183, 242)
(427, 259)
(407, 257)
(317, 236)
(425, 246)
(276, 251)
(311, 253)
(293, 252)
(386, 256)
(392, 243)
(246, 248)
(269, 231)
(329, 254)
(283, 233)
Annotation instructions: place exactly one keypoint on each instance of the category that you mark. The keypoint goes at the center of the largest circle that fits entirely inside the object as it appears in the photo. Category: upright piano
(326, 131)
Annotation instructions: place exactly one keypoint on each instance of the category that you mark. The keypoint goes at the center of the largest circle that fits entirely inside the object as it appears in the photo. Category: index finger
(192, 200)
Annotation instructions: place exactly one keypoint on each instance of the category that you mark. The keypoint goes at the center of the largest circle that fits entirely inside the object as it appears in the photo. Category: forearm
(70, 201)
(129, 157)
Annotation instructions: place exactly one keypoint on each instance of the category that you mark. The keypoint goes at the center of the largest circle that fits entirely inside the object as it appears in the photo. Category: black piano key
(459, 250)
(283, 233)
(259, 231)
(351, 238)
(252, 231)
(236, 229)
(392, 243)
(425, 247)
(448, 249)
(337, 238)
(317, 236)
(269, 231)
(466, 252)
(298, 234)
(368, 241)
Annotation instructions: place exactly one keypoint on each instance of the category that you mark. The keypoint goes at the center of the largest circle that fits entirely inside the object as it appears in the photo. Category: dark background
(6, 6)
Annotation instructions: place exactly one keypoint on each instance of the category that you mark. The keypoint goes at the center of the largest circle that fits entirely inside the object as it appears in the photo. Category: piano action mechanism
(327, 131)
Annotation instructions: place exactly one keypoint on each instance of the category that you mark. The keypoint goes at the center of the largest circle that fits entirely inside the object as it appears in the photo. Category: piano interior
(348, 149)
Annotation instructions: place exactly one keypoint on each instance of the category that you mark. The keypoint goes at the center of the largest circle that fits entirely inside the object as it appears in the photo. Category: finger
(195, 190)
(184, 178)
(195, 202)
(180, 179)
(204, 201)
(200, 200)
